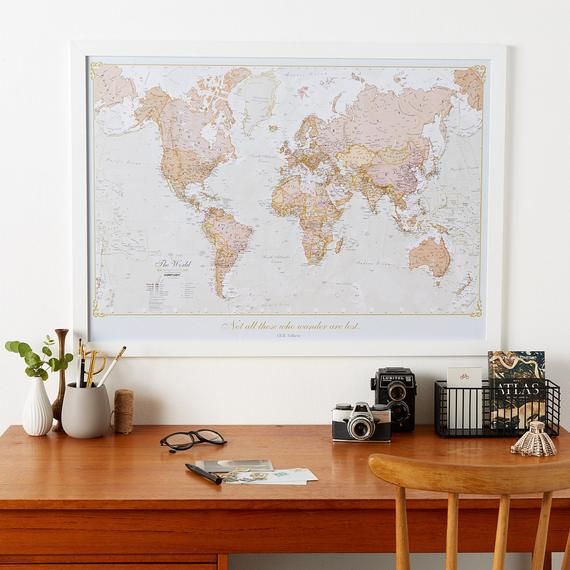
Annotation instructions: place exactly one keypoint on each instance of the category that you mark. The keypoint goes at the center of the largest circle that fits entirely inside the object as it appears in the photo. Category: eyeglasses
(184, 440)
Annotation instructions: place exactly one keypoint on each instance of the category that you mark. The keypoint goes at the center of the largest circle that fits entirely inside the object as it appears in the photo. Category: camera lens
(397, 391)
(360, 427)
(400, 411)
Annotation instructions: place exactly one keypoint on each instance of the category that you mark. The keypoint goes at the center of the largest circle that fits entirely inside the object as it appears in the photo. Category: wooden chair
(502, 480)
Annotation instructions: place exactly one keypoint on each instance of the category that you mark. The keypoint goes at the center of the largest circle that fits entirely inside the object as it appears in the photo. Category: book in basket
(518, 389)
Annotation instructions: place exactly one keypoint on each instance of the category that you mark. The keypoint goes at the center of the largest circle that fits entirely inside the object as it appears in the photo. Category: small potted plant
(37, 416)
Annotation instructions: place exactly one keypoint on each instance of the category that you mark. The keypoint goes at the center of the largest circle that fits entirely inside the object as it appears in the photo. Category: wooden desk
(125, 499)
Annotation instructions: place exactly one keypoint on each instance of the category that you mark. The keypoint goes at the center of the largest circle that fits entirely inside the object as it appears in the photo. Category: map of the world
(287, 190)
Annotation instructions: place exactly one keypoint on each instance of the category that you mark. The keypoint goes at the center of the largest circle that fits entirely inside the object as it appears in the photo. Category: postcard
(462, 377)
(229, 465)
(465, 406)
(296, 476)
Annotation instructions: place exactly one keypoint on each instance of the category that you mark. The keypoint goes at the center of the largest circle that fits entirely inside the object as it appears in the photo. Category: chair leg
(542, 533)
(452, 525)
(502, 532)
(566, 559)
(402, 545)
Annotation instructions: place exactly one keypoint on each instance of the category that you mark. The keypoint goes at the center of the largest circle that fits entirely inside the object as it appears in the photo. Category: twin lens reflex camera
(396, 388)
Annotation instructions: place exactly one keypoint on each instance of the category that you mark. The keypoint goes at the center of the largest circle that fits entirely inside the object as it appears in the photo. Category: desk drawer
(164, 562)
(99, 566)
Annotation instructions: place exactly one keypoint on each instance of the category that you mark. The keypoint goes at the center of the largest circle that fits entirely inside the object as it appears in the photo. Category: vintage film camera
(396, 388)
(361, 423)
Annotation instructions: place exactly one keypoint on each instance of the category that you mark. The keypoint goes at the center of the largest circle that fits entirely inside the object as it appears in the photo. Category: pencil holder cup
(86, 412)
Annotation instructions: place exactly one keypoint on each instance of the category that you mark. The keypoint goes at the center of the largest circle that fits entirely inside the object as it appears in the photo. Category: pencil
(111, 366)
(81, 367)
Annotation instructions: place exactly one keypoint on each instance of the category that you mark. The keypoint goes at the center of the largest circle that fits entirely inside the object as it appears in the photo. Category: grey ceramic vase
(86, 411)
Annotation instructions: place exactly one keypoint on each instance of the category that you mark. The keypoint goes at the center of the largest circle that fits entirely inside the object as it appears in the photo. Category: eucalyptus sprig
(36, 365)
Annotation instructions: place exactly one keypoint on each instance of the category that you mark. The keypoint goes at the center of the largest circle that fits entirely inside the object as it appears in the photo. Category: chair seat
(543, 476)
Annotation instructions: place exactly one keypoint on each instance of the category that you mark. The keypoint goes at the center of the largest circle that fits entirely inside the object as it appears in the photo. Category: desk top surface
(134, 471)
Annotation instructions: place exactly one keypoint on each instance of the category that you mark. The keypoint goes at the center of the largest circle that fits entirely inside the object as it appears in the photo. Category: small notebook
(228, 465)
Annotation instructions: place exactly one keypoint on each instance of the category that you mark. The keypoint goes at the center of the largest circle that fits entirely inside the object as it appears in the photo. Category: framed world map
(273, 199)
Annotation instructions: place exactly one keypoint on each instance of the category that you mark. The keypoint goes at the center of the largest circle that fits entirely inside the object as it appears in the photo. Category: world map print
(275, 188)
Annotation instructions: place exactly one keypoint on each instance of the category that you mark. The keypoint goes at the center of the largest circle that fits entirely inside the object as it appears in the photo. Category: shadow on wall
(147, 407)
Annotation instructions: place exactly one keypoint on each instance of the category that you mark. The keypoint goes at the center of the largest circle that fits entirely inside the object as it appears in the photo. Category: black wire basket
(503, 409)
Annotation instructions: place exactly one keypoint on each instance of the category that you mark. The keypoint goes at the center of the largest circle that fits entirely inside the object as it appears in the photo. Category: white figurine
(535, 442)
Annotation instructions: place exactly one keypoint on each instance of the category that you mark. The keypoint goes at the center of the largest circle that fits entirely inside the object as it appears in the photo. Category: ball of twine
(124, 411)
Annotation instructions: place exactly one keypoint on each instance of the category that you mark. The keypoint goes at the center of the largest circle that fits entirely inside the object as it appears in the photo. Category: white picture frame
(81, 51)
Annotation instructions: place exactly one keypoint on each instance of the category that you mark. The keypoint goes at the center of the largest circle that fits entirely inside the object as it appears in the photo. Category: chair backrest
(502, 480)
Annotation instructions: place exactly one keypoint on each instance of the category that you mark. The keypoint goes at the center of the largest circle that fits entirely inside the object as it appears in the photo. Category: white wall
(35, 231)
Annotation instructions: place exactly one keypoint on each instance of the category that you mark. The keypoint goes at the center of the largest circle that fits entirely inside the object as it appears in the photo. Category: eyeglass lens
(179, 439)
(185, 440)
(210, 436)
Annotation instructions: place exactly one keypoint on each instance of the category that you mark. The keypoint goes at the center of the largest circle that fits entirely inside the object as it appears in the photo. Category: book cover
(516, 364)
(518, 392)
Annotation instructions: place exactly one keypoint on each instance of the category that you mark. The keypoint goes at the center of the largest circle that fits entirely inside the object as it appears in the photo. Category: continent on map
(389, 126)
(109, 86)
(376, 148)
(195, 139)
(229, 238)
(431, 254)
(470, 84)
(194, 130)
(316, 211)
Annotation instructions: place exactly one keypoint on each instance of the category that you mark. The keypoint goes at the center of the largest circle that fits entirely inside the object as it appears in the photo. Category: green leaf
(68, 357)
(43, 374)
(64, 364)
(24, 349)
(32, 359)
(12, 345)
(30, 371)
(47, 351)
(53, 362)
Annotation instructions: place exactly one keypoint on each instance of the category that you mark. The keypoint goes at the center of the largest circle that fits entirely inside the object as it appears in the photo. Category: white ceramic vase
(37, 417)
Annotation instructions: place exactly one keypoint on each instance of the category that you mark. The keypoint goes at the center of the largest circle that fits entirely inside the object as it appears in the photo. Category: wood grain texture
(547, 561)
(223, 562)
(143, 560)
(566, 557)
(478, 478)
(58, 403)
(402, 543)
(493, 478)
(502, 533)
(451, 541)
(113, 567)
(147, 507)
(539, 551)
(134, 472)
